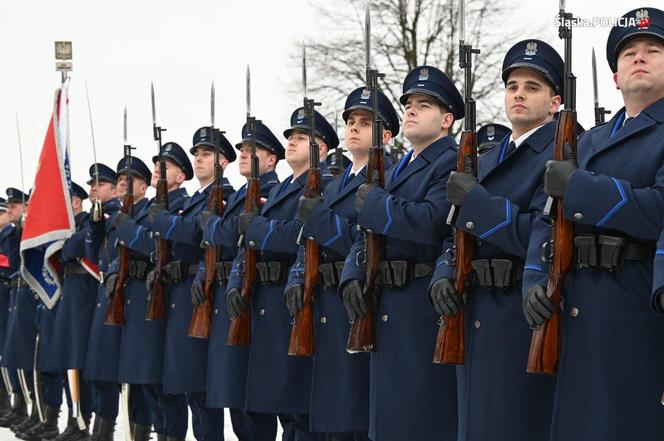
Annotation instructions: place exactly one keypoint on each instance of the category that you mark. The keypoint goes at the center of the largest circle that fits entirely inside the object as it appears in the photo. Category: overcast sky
(120, 46)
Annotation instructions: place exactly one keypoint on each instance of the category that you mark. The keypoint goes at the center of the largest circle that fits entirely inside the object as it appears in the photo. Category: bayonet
(212, 104)
(20, 156)
(96, 210)
(367, 37)
(248, 92)
(599, 111)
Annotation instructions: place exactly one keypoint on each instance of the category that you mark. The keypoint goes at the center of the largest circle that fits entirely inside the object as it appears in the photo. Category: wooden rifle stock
(545, 343)
(156, 307)
(239, 332)
(450, 340)
(115, 311)
(362, 336)
(302, 334)
(201, 319)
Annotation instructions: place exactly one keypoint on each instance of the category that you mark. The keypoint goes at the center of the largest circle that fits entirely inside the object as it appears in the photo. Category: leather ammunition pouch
(599, 251)
(272, 272)
(330, 274)
(399, 273)
(497, 273)
(177, 271)
(223, 270)
(137, 269)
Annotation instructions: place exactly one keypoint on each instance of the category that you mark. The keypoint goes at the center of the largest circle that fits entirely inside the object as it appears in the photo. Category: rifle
(450, 340)
(239, 332)
(545, 343)
(362, 336)
(201, 318)
(302, 333)
(599, 111)
(115, 312)
(156, 308)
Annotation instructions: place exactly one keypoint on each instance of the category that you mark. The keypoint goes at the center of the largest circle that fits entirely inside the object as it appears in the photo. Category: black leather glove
(203, 218)
(364, 189)
(97, 227)
(109, 284)
(444, 298)
(197, 293)
(294, 299)
(353, 299)
(459, 184)
(537, 308)
(305, 205)
(155, 210)
(557, 176)
(235, 303)
(120, 219)
(244, 220)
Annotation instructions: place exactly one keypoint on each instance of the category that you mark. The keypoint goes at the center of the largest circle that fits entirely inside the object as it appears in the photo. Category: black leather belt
(177, 271)
(272, 272)
(497, 273)
(399, 273)
(598, 251)
(330, 274)
(137, 269)
(223, 270)
(74, 268)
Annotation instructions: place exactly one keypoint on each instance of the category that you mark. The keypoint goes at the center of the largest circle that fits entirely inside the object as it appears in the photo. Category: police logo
(47, 277)
(490, 132)
(531, 48)
(424, 74)
(643, 18)
(300, 114)
(366, 94)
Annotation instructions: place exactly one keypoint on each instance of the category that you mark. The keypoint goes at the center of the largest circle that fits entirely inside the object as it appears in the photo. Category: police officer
(340, 381)
(21, 329)
(227, 365)
(185, 358)
(9, 266)
(74, 313)
(489, 135)
(5, 403)
(142, 348)
(101, 359)
(610, 370)
(499, 207)
(276, 382)
(410, 397)
(136, 334)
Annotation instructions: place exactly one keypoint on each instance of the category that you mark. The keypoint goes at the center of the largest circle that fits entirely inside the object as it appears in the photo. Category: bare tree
(406, 34)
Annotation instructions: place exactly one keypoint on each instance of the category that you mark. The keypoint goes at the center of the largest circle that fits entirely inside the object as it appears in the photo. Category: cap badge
(366, 94)
(490, 132)
(424, 74)
(531, 48)
(643, 18)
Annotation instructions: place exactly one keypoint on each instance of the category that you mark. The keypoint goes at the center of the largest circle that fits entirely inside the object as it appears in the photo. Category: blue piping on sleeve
(133, 241)
(507, 221)
(533, 267)
(337, 235)
(267, 236)
(389, 215)
(623, 201)
(170, 229)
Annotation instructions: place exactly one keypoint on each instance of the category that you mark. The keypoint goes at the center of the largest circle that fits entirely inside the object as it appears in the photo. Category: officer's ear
(271, 161)
(223, 162)
(555, 104)
(180, 178)
(615, 80)
(387, 136)
(447, 120)
(322, 148)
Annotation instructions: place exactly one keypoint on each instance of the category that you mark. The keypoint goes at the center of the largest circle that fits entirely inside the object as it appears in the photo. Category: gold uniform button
(385, 318)
(252, 243)
(574, 312)
(261, 312)
(470, 225)
(578, 216)
(323, 320)
(477, 324)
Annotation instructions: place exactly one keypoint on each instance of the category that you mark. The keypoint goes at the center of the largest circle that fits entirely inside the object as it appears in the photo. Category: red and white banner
(50, 218)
